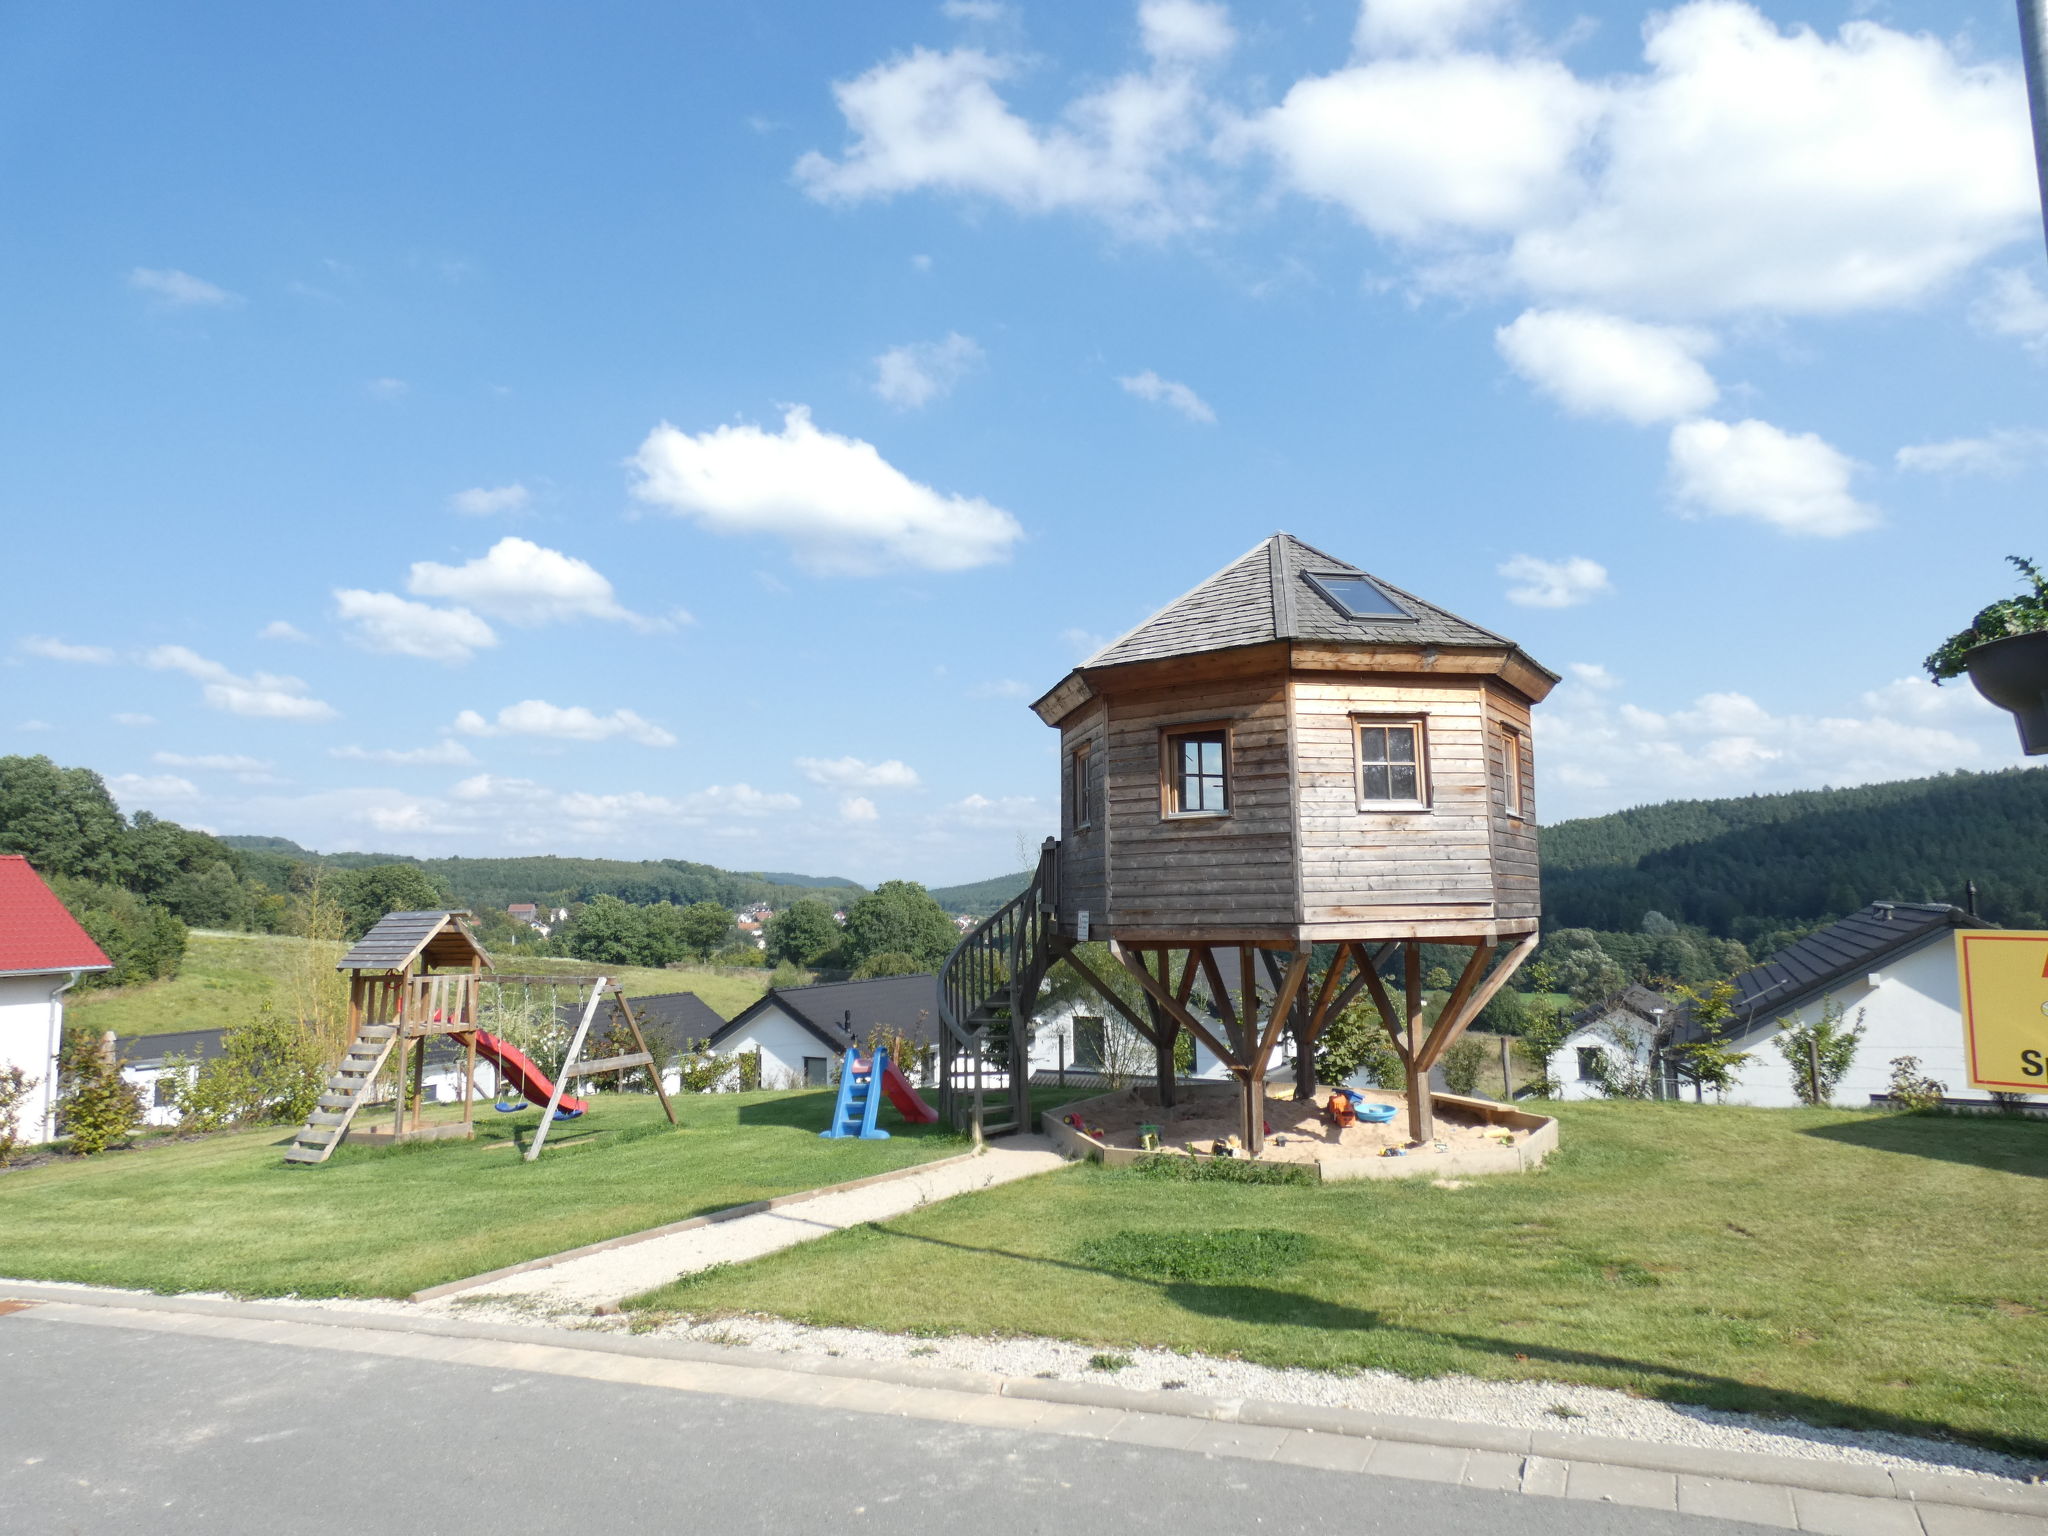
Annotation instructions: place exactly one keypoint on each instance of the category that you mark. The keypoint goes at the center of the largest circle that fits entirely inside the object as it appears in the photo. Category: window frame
(1424, 781)
(1514, 763)
(1083, 807)
(1319, 580)
(824, 1071)
(1589, 1055)
(1169, 775)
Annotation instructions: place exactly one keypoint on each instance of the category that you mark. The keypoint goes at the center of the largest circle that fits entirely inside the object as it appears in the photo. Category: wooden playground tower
(416, 976)
(1295, 755)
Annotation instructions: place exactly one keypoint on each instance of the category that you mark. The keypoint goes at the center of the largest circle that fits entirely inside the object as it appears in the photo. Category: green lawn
(1832, 1266)
(227, 976)
(229, 1214)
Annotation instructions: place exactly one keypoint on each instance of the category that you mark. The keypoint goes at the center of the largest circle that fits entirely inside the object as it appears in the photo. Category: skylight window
(1356, 597)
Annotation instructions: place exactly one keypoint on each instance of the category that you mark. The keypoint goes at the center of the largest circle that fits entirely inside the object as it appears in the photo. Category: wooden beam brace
(1484, 992)
(1283, 1004)
(1218, 993)
(1369, 973)
(1175, 1008)
(1447, 1025)
(1082, 969)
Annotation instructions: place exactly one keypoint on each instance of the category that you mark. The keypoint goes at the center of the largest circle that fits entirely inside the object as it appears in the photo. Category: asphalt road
(131, 1433)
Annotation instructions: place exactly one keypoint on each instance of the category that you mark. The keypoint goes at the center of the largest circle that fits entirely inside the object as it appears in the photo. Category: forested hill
(983, 896)
(1745, 866)
(486, 883)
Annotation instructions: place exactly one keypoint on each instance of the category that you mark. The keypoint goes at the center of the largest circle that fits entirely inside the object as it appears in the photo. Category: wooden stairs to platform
(347, 1091)
(986, 990)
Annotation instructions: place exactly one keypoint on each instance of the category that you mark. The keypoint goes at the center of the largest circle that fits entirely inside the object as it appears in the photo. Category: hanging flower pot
(2013, 674)
(2005, 652)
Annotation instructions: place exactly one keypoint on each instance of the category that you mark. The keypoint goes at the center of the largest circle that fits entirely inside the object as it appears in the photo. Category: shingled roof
(399, 937)
(1266, 594)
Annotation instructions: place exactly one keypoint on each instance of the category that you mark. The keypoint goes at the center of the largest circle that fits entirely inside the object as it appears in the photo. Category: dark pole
(2034, 52)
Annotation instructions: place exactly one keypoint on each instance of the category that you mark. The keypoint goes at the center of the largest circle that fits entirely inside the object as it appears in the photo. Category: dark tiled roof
(908, 1004)
(1858, 943)
(675, 1020)
(1265, 595)
(398, 936)
(1640, 1001)
(153, 1050)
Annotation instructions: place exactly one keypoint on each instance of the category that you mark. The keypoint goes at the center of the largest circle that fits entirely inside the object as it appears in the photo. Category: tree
(609, 931)
(1709, 1060)
(1543, 1036)
(1819, 1053)
(802, 933)
(1580, 967)
(1464, 1064)
(1356, 1041)
(96, 1106)
(142, 939)
(899, 916)
(367, 894)
(890, 962)
(62, 819)
(705, 926)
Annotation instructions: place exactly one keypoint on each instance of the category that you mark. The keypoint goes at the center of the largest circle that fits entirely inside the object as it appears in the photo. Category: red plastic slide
(534, 1085)
(905, 1098)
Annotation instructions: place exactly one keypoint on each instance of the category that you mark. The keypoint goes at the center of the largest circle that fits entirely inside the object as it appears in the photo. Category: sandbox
(1472, 1135)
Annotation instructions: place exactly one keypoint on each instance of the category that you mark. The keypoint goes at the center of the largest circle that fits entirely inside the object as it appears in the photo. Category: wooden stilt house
(1295, 769)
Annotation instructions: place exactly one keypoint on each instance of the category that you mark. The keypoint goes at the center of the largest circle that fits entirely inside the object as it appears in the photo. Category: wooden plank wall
(1084, 855)
(1422, 872)
(1236, 870)
(1517, 885)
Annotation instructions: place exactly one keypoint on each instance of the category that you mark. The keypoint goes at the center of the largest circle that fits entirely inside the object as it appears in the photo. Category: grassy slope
(1832, 1266)
(228, 1214)
(226, 976)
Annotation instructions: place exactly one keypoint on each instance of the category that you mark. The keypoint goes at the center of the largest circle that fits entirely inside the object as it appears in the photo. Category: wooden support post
(1421, 1113)
(1255, 1079)
(1164, 1035)
(640, 1044)
(469, 1082)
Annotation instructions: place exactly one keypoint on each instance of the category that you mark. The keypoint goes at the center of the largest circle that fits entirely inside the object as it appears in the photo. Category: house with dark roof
(43, 953)
(803, 1032)
(1890, 968)
(1626, 1027)
(155, 1066)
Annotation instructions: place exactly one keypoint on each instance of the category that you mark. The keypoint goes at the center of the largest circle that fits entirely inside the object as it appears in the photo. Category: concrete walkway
(1660, 1488)
(601, 1280)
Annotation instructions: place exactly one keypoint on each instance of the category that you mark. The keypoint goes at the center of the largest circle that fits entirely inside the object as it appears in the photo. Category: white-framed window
(815, 1071)
(1084, 788)
(1196, 769)
(1393, 763)
(1589, 1063)
(1514, 762)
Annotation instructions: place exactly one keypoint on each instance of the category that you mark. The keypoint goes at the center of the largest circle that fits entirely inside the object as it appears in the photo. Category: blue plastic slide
(854, 1112)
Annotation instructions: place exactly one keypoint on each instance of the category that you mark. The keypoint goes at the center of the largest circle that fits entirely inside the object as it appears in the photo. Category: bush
(890, 962)
(788, 974)
(96, 1106)
(1356, 1041)
(699, 1069)
(1826, 1041)
(142, 938)
(271, 1070)
(1464, 1064)
(1543, 1036)
(740, 953)
(1175, 1168)
(1912, 1092)
(15, 1087)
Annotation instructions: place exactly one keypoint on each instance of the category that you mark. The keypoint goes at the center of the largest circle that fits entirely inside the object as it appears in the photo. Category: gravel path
(605, 1279)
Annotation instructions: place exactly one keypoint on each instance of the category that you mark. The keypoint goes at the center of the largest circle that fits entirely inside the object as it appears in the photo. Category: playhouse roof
(37, 933)
(400, 938)
(1280, 589)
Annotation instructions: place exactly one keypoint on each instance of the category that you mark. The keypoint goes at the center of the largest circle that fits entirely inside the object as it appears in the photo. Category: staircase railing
(991, 978)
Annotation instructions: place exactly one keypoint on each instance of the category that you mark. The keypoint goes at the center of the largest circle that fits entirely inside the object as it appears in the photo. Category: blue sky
(698, 431)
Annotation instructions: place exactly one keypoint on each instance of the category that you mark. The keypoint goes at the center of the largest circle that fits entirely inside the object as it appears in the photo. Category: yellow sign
(2005, 1008)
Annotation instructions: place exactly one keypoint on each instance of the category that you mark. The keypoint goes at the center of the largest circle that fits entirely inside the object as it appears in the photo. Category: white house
(1891, 967)
(156, 1066)
(802, 1032)
(43, 953)
(1611, 1037)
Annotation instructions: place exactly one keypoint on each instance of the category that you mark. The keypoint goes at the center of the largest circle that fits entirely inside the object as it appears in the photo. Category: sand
(1297, 1132)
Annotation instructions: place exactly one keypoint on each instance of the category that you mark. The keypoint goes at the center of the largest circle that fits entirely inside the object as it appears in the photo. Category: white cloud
(858, 808)
(35, 725)
(537, 717)
(384, 621)
(446, 754)
(1429, 26)
(1796, 482)
(130, 718)
(1185, 31)
(836, 500)
(138, 789)
(1417, 149)
(261, 695)
(1594, 364)
(852, 773)
(935, 122)
(920, 372)
(388, 389)
(525, 583)
(1149, 386)
(58, 650)
(974, 10)
(1996, 453)
(1082, 642)
(216, 762)
(1593, 675)
(282, 629)
(1013, 811)
(2015, 306)
(1554, 583)
(181, 290)
(1601, 755)
(488, 501)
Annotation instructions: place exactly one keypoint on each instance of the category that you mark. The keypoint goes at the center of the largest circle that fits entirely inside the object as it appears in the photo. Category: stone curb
(1794, 1472)
(709, 1219)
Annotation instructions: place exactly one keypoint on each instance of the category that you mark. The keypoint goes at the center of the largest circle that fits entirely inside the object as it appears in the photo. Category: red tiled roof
(36, 932)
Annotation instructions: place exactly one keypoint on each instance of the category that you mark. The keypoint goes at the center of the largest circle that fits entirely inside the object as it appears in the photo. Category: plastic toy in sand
(1370, 1113)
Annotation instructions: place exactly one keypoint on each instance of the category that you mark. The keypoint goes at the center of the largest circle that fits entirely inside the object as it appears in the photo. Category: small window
(165, 1093)
(1356, 597)
(1198, 773)
(1392, 770)
(1511, 766)
(1589, 1063)
(1088, 1043)
(1084, 790)
(814, 1072)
